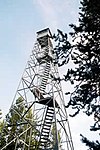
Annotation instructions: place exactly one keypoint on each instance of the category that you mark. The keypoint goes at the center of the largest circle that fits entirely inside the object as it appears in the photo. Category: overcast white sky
(19, 22)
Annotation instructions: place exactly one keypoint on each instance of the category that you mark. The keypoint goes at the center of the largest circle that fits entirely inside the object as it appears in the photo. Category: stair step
(43, 86)
(46, 128)
(51, 112)
(48, 122)
(49, 119)
(48, 115)
(45, 75)
(44, 78)
(46, 131)
(43, 142)
(45, 124)
(50, 108)
(44, 138)
(48, 64)
(45, 134)
(43, 82)
(48, 125)
(42, 89)
(47, 71)
(47, 68)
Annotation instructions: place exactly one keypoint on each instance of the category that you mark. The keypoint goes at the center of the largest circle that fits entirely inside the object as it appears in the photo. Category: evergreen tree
(84, 52)
(2, 133)
(16, 131)
(0, 114)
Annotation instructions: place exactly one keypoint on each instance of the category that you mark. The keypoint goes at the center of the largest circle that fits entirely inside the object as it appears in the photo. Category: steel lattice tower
(48, 128)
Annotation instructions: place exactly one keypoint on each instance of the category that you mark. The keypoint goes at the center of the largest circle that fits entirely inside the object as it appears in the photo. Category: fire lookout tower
(41, 97)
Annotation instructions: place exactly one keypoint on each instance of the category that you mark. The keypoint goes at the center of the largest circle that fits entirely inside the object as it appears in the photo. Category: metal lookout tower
(41, 122)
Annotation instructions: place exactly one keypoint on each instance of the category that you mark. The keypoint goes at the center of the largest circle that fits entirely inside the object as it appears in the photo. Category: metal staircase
(44, 140)
(45, 58)
(45, 76)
